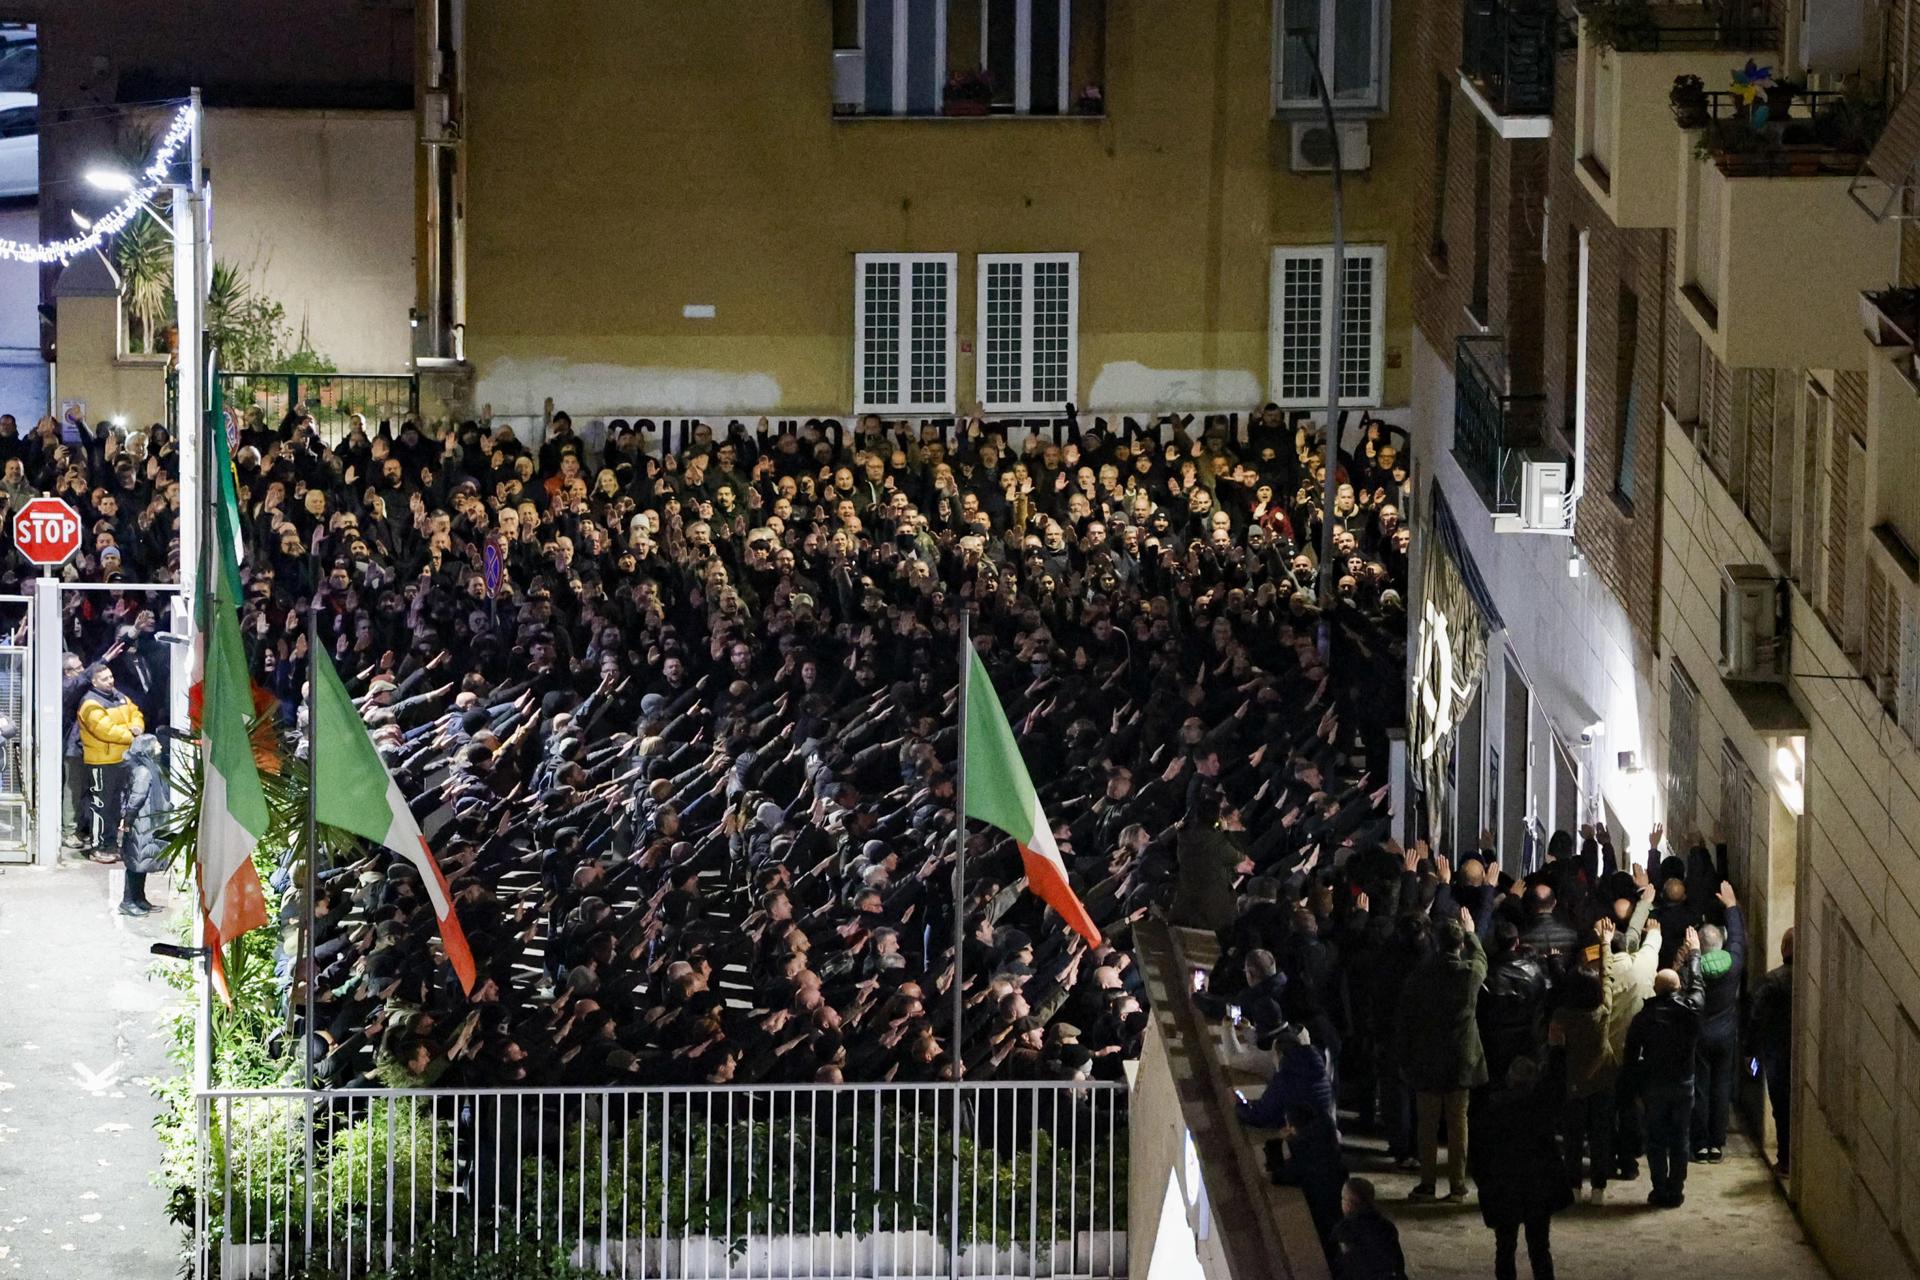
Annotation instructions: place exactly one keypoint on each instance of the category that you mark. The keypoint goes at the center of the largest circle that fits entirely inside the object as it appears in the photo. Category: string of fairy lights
(146, 184)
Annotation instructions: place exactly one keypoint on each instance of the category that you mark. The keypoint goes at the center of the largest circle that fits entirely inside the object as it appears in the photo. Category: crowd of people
(679, 721)
(679, 724)
(1550, 1028)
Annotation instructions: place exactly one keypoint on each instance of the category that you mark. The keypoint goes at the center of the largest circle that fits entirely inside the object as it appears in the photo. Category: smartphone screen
(1233, 1011)
(1199, 980)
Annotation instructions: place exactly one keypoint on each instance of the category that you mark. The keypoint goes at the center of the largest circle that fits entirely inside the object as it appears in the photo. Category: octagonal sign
(47, 531)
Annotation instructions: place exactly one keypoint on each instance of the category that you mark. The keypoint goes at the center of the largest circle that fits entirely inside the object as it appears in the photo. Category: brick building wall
(1619, 536)
(1450, 130)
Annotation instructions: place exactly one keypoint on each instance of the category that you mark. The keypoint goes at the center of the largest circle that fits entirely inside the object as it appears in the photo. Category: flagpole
(312, 824)
(959, 929)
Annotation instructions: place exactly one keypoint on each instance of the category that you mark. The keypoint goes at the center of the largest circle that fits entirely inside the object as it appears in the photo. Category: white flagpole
(959, 931)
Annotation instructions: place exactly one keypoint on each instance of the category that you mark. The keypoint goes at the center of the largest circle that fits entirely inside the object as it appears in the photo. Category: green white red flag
(233, 808)
(354, 791)
(1000, 794)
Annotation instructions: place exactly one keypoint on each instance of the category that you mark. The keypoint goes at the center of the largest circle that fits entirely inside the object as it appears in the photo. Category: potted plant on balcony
(1688, 98)
(1780, 96)
(1091, 101)
(1618, 24)
(968, 93)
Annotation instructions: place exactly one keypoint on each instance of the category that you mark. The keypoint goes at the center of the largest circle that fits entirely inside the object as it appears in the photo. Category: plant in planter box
(1090, 102)
(968, 93)
(1618, 24)
(1688, 98)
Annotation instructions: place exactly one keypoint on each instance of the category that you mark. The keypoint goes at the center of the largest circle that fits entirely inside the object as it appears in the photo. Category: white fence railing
(711, 1182)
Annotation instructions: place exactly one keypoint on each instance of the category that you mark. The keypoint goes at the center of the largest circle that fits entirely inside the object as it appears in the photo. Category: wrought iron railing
(1494, 429)
(808, 1181)
(1637, 26)
(1799, 132)
(332, 398)
(1507, 50)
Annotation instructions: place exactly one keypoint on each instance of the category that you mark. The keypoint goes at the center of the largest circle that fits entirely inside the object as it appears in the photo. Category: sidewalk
(1735, 1223)
(80, 1035)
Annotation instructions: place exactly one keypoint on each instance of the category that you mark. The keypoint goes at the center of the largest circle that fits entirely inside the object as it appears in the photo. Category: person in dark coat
(1723, 961)
(1311, 1160)
(1658, 1069)
(1517, 1162)
(146, 800)
(1208, 861)
(1440, 1050)
(1512, 1000)
(1366, 1244)
(1772, 1038)
(1299, 1078)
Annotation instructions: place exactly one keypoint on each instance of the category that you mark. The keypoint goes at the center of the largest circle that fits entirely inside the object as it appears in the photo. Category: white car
(19, 112)
(19, 145)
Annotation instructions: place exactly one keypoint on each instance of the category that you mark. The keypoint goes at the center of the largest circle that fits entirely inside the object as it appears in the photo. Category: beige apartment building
(1668, 413)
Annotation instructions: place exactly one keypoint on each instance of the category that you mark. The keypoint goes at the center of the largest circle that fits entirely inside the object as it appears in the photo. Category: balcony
(1772, 252)
(1495, 430)
(1893, 425)
(1624, 75)
(1506, 64)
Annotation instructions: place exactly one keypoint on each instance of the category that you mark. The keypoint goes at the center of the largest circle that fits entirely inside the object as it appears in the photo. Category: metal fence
(687, 1182)
(332, 398)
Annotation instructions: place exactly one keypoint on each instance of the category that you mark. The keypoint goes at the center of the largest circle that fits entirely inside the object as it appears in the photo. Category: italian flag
(354, 792)
(233, 808)
(1000, 794)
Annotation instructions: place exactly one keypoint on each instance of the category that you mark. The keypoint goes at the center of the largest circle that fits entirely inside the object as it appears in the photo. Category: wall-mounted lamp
(1790, 772)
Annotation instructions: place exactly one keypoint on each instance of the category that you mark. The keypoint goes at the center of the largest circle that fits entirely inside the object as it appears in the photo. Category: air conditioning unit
(1543, 495)
(1754, 627)
(849, 81)
(1313, 147)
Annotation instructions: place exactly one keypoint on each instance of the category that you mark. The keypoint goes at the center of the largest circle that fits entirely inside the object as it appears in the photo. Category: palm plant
(143, 255)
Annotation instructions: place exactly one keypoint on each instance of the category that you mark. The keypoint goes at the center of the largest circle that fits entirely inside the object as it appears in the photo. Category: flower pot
(964, 107)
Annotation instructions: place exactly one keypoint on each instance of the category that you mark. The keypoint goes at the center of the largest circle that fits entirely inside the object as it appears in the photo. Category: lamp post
(189, 229)
(1337, 286)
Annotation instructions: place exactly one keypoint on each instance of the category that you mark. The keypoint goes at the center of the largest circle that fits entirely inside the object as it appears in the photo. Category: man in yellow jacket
(107, 724)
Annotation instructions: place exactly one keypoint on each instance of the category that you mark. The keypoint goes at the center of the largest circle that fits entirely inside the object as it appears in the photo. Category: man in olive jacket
(1440, 1052)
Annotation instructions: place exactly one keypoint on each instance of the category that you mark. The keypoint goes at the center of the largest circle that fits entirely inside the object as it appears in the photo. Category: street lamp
(106, 179)
(1337, 288)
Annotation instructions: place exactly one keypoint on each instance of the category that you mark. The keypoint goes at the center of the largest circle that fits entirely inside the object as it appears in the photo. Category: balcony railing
(787, 1180)
(1802, 133)
(1635, 26)
(1494, 429)
(1507, 51)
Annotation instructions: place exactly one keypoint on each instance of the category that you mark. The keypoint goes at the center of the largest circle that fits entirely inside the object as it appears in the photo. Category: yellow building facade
(652, 208)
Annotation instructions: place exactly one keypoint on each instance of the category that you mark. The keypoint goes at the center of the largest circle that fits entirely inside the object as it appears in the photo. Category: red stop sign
(47, 531)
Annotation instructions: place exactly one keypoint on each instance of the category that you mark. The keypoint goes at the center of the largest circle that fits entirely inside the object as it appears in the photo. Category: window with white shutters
(1906, 704)
(1302, 320)
(1683, 749)
(1846, 492)
(903, 332)
(1029, 308)
(1840, 1013)
(1743, 814)
(1906, 1128)
(1880, 648)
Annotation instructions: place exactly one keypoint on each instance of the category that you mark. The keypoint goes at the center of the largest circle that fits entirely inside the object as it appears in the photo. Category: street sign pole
(49, 735)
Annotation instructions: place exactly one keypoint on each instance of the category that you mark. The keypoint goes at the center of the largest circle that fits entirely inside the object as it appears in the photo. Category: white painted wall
(318, 208)
(1569, 636)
